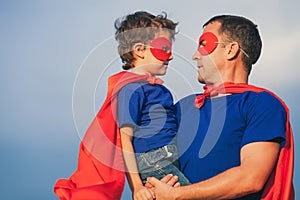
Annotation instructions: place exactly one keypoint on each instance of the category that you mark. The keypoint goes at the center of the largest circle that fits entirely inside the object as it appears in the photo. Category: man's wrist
(176, 193)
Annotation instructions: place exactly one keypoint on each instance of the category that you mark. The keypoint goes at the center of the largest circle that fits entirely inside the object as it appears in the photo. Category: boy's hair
(139, 27)
(243, 31)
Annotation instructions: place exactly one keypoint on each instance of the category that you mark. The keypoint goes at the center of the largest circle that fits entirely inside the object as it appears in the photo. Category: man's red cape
(280, 184)
(100, 173)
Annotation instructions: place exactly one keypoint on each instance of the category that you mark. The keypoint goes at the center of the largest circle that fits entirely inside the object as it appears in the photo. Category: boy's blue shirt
(150, 111)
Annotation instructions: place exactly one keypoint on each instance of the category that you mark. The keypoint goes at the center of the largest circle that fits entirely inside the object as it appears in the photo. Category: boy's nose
(171, 57)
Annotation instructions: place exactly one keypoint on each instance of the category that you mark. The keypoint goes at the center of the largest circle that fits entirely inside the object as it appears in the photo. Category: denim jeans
(160, 162)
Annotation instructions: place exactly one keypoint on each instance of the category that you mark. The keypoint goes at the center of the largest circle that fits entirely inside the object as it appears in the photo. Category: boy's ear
(232, 50)
(138, 50)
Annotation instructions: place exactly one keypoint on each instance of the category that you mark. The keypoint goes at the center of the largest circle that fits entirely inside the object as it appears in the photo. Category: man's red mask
(207, 43)
(161, 48)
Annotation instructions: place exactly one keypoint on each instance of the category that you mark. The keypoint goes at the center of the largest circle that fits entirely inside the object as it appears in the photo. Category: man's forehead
(213, 27)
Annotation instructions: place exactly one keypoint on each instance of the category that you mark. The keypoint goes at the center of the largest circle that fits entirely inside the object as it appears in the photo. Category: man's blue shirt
(210, 138)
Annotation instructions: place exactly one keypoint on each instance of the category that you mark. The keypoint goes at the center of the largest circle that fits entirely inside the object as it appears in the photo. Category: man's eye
(202, 43)
(165, 48)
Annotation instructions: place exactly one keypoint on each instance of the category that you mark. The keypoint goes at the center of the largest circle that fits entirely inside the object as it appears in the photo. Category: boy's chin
(162, 73)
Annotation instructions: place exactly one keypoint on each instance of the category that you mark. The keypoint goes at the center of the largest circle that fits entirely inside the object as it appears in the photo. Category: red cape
(100, 173)
(280, 184)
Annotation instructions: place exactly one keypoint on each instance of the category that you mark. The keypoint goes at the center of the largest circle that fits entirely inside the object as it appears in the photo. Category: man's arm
(257, 161)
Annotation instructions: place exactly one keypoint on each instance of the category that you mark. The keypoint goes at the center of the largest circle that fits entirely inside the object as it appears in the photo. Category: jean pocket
(156, 155)
(149, 159)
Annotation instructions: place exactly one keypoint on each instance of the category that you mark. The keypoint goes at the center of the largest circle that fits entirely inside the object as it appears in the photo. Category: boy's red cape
(100, 173)
(280, 184)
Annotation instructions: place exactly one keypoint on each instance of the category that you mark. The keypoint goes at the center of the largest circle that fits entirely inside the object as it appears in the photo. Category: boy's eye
(202, 43)
(166, 48)
(161, 48)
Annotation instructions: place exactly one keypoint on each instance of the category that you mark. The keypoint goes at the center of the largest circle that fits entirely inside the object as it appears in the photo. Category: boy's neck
(138, 70)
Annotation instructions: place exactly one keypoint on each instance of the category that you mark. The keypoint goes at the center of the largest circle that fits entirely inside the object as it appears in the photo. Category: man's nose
(196, 56)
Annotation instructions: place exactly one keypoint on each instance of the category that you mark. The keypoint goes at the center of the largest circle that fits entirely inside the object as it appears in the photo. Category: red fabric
(161, 48)
(280, 184)
(100, 173)
(210, 91)
(211, 43)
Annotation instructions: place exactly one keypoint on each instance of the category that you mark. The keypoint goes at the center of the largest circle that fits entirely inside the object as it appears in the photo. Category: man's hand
(168, 179)
(163, 191)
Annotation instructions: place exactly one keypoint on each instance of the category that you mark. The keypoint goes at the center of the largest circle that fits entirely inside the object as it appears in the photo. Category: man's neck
(237, 74)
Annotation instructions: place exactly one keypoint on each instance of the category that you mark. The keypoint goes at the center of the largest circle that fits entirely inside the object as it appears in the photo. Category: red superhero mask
(161, 48)
(207, 43)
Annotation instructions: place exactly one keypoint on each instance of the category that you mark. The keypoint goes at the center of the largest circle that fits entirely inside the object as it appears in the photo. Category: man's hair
(243, 31)
(139, 27)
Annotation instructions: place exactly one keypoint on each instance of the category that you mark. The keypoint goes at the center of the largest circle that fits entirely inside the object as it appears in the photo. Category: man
(239, 143)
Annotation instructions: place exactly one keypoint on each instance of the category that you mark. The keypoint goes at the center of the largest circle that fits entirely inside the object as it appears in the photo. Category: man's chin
(201, 80)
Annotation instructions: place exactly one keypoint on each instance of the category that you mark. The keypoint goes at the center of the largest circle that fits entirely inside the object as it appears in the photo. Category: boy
(146, 113)
(145, 48)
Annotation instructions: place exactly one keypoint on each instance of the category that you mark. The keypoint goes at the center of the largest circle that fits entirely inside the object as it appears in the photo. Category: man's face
(210, 55)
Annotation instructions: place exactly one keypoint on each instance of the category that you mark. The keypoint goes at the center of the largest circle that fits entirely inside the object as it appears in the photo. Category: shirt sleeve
(266, 120)
(130, 101)
(177, 112)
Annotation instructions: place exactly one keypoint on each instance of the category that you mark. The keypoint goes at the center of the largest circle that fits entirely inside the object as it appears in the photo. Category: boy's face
(158, 54)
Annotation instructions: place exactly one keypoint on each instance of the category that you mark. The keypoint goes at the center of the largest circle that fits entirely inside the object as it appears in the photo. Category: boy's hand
(143, 193)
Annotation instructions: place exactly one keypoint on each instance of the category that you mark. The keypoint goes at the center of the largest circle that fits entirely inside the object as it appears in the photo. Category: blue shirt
(210, 138)
(150, 111)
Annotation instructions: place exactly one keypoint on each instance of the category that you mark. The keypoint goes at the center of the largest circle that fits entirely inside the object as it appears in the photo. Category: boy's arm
(133, 177)
(129, 157)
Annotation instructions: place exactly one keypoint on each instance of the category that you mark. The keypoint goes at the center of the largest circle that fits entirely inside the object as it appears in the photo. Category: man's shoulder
(188, 98)
(263, 93)
(265, 97)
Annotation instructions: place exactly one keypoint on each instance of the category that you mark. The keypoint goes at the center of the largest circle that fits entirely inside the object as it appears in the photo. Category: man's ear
(138, 50)
(232, 50)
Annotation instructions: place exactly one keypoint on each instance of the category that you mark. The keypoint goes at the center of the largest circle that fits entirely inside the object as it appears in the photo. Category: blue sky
(47, 45)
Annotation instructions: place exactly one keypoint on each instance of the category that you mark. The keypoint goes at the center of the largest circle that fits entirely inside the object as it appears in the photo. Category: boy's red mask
(161, 48)
(207, 43)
